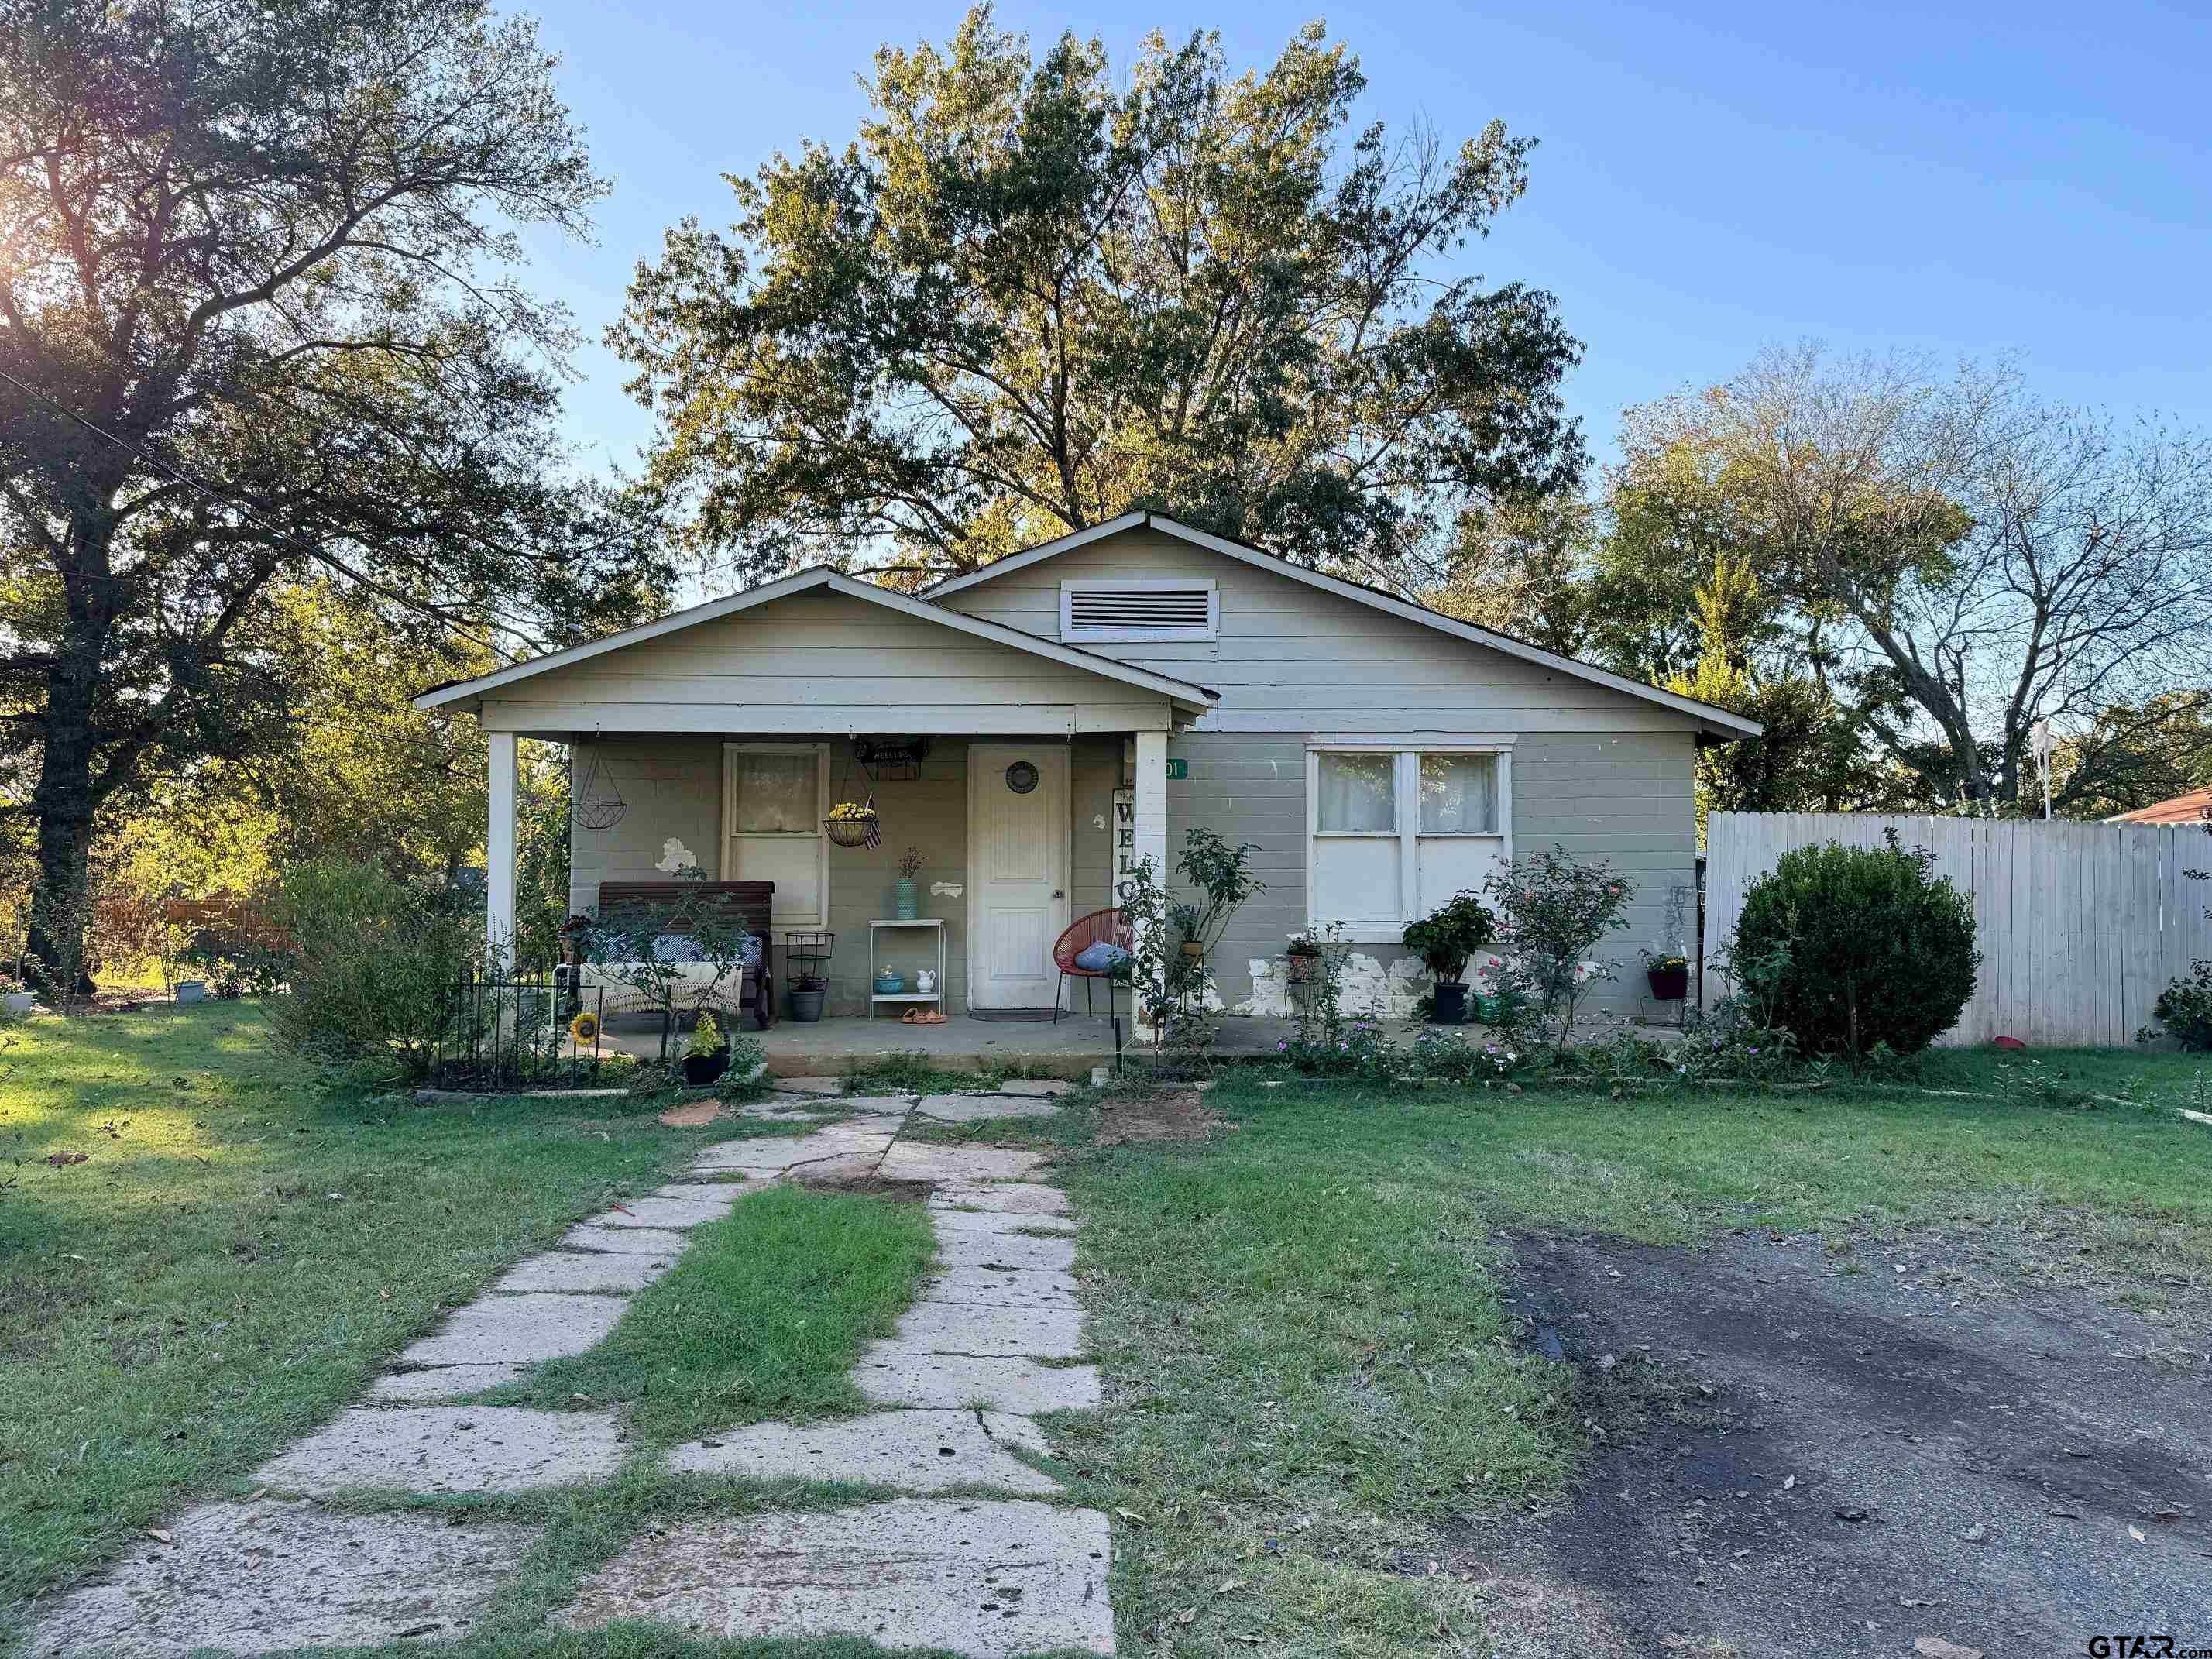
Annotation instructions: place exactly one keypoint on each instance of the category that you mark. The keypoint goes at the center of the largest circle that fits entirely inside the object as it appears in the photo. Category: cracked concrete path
(994, 1338)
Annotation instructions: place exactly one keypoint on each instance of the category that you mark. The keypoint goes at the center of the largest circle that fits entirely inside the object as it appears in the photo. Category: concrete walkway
(965, 1556)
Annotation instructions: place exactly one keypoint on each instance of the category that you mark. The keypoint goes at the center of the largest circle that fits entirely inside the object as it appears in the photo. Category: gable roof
(1198, 698)
(1716, 721)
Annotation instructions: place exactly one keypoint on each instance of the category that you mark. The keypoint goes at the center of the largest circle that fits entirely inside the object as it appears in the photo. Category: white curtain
(777, 795)
(1356, 793)
(1459, 794)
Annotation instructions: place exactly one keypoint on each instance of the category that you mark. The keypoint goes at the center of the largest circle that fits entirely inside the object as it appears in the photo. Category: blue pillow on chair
(1102, 958)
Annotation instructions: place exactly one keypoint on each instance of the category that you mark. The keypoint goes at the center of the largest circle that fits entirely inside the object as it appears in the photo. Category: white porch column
(499, 850)
(1148, 806)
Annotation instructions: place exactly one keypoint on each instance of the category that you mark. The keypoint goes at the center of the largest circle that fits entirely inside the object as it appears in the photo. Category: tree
(1026, 298)
(257, 324)
(1522, 568)
(1973, 559)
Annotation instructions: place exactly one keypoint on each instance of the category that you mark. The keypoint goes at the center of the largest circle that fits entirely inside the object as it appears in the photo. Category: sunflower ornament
(585, 1029)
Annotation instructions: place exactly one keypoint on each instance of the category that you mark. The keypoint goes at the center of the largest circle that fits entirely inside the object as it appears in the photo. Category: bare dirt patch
(1178, 1117)
(1802, 1451)
(899, 1191)
(693, 1115)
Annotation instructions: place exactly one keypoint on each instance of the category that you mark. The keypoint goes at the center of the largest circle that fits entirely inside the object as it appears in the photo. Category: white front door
(1017, 831)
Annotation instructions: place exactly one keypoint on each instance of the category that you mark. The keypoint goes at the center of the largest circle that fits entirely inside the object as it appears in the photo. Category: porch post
(1148, 806)
(499, 851)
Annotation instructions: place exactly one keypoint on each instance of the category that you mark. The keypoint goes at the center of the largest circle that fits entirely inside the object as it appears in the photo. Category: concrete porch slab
(983, 1579)
(916, 1451)
(451, 1448)
(267, 1577)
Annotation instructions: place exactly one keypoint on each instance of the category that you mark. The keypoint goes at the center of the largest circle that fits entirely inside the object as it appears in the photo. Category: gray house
(1084, 703)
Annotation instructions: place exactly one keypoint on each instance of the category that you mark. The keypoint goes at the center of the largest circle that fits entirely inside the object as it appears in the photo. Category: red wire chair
(1100, 927)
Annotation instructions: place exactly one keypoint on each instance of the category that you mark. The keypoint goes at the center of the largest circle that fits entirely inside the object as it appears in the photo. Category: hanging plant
(853, 823)
(598, 804)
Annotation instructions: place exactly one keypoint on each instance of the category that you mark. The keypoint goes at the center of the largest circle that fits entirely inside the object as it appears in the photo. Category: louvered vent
(1163, 611)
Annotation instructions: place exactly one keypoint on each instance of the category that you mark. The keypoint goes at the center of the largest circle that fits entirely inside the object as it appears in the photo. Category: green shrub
(1868, 947)
(374, 965)
(2185, 1008)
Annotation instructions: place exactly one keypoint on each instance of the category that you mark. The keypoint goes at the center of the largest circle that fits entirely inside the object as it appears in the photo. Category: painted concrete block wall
(673, 787)
(1629, 798)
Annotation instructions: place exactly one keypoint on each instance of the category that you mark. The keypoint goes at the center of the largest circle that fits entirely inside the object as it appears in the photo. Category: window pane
(1459, 794)
(1356, 793)
(777, 794)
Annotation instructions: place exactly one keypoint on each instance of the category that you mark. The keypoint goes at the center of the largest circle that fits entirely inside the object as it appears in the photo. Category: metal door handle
(1057, 893)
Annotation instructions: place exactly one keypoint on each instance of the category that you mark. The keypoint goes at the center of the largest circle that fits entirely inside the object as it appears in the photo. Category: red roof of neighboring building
(2194, 807)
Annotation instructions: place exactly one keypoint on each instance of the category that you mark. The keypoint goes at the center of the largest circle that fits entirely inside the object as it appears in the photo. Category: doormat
(1009, 1016)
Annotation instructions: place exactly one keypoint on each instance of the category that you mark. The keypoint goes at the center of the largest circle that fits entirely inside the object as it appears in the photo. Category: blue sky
(2027, 177)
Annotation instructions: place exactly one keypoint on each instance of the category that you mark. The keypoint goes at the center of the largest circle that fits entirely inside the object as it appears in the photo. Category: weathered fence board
(2080, 925)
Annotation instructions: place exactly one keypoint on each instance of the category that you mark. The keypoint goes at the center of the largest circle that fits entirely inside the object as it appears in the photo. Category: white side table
(876, 929)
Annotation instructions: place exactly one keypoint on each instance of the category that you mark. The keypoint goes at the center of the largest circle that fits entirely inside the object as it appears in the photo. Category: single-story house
(1084, 704)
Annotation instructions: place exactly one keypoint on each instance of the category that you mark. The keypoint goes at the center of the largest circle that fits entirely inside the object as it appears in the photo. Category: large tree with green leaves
(258, 322)
(1034, 293)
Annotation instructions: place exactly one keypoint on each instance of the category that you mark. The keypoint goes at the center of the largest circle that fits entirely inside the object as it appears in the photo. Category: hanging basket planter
(598, 804)
(853, 823)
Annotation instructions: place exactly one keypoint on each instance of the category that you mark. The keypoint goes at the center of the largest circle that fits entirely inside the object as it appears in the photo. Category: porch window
(1394, 831)
(775, 796)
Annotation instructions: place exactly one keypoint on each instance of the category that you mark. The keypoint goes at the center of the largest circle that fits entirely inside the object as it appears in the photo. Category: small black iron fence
(506, 1029)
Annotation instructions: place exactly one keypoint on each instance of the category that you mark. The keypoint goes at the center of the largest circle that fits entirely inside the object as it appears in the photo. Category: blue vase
(906, 900)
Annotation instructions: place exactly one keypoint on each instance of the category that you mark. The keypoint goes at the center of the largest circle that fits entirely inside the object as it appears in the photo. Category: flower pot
(889, 984)
(1488, 1009)
(1451, 1002)
(18, 1003)
(906, 900)
(1669, 984)
(700, 1070)
(1303, 970)
(807, 1006)
(1191, 947)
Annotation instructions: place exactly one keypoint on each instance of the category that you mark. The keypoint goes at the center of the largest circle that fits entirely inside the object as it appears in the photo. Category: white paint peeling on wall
(946, 889)
(1367, 988)
(676, 858)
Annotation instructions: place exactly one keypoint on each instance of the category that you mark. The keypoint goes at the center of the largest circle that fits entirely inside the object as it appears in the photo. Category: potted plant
(1189, 921)
(807, 992)
(1302, 959)
(706, 1057)
(853, 824)
(906, 891)
(1445, 941)
(1669, 975)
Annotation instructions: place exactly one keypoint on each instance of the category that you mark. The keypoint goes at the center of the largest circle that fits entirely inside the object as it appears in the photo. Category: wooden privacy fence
(2080, 925)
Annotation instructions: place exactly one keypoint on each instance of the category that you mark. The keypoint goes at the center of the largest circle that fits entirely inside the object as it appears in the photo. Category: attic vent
(1158, 610)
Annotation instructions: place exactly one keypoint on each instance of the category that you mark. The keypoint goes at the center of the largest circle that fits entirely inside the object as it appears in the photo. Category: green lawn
(1305, 1305)
(762, 1317)
(235, 1255)
(1299, 1316)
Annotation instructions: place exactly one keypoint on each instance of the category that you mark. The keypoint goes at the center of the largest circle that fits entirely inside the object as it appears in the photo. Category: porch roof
(1187, 697)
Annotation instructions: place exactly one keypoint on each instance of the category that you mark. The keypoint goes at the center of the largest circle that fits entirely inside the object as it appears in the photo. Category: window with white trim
(1150, 609)
(1393, 831)
(775, 796)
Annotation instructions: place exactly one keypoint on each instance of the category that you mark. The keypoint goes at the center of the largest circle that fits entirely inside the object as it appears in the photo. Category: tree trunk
(64, 802)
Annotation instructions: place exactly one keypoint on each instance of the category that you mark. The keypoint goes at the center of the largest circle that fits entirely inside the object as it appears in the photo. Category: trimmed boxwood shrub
(1866, 946)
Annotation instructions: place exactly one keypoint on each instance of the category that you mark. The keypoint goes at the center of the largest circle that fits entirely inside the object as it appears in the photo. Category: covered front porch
(721, 744)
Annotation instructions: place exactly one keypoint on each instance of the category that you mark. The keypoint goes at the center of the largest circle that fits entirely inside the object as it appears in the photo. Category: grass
(236, 1255)
(762, 1317)
(1303, 1312)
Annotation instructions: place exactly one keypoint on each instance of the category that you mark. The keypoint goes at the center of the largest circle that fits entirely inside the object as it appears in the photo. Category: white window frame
(1406, 794)
(724, 862)
(1071, 634)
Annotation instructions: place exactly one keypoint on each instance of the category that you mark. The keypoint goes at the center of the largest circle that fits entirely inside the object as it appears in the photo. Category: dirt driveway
(1807, 1452)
